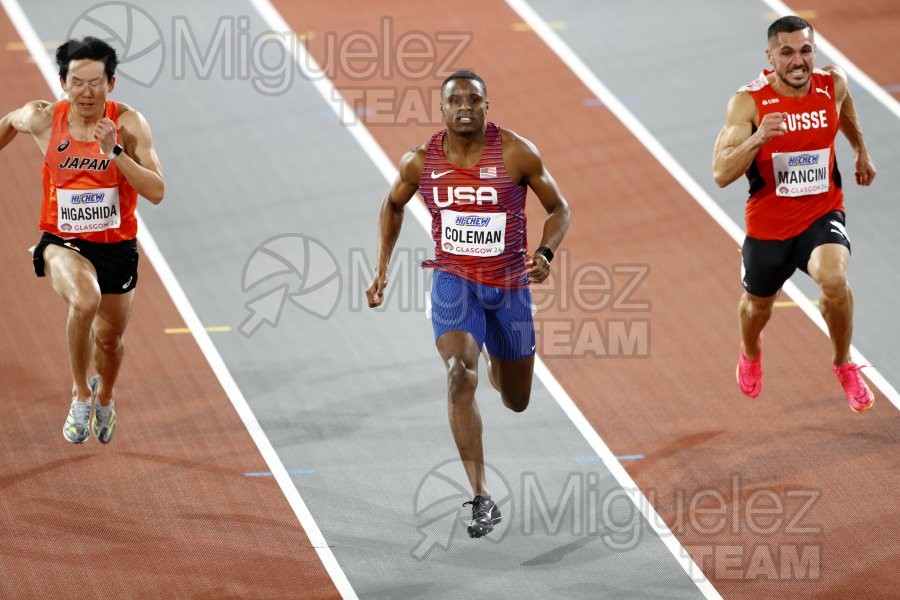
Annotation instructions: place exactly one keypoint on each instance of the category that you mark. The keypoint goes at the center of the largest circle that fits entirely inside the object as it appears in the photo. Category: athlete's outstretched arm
(34, 118)
(139, 163)
(737, 144)
(849, 124)
(524, 156)
(390, 218)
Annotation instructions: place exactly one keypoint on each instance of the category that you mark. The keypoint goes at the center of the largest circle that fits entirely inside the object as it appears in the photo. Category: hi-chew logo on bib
(84, 211)
(473, 234)
(801, 173)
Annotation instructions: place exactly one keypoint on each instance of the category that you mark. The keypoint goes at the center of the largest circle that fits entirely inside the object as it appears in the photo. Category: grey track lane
(675, 70)
(355, 405)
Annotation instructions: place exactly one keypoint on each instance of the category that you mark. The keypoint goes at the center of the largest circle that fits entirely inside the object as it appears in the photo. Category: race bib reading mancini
(801, 173)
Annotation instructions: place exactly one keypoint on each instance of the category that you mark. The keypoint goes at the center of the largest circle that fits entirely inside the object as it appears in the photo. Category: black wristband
(545, 252)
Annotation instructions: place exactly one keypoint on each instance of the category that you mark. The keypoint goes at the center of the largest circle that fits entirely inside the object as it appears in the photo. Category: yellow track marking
(792, 304)
(216, 329)
(20, 46)
(803, 14)
(555, 25)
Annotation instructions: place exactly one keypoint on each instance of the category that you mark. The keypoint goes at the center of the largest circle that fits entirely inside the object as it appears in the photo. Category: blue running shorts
(498, 318)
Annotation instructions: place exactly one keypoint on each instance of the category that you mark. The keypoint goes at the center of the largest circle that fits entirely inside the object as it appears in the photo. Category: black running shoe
(485, 515)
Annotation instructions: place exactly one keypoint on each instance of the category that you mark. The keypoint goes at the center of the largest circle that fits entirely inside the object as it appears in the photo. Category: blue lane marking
(584, 459)
(290, 472)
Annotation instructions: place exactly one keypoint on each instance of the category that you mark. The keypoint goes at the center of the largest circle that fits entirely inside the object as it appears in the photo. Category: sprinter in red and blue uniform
(473, 177)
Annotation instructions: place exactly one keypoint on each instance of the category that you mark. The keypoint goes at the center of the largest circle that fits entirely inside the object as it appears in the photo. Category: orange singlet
(85, 194)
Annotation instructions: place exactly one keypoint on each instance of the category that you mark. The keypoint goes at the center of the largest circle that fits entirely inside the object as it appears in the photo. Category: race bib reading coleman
(801, 173)
(472, 234)
(84, 211)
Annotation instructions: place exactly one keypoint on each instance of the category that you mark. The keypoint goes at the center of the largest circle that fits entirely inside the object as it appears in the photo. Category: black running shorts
(115, 262)
(767, 264)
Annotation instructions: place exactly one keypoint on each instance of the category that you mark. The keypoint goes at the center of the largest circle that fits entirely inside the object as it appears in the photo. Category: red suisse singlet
(477, 215)
(794, 178)
(85, 194)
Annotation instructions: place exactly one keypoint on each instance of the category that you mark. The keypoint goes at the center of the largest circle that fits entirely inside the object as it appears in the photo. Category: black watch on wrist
(115, 152)
(546, 252)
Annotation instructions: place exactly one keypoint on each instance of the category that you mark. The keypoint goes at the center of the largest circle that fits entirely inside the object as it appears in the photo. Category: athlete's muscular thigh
(828, 263)
(71, 275)
(112, 317)
(514, 378)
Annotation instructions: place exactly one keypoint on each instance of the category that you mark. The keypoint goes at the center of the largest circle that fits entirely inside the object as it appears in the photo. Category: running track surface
(206, 530)
(163, 511)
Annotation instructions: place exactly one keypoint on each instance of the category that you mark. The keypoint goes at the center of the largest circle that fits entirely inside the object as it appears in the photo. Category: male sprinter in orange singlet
(98, 156)
(780, 131)
(473, 177)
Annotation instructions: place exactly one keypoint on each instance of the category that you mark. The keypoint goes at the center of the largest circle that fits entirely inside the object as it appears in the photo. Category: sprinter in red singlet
(780, 131)
(98, 157)
(473, 177)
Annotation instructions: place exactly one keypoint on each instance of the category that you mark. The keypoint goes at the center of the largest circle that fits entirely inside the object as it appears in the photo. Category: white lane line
(333, 98)
(587, 77)
(878, 92)
(152, 252)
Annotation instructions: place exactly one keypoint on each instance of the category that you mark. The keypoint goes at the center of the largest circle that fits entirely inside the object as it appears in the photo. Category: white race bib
(801, 173)
(84, 211)
(472, 234)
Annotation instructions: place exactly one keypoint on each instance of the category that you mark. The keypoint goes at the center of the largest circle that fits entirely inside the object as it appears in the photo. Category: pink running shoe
(749, 374)
(859, 396)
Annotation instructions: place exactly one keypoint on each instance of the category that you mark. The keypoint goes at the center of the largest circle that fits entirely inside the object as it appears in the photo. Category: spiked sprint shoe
(104, 426)
(859, 396)
(76, 428)
(485, 515)
(749, 373)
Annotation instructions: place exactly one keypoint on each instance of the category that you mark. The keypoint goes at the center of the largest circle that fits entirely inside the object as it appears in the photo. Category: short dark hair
(788, 24)
(90, 48)
(464, 74)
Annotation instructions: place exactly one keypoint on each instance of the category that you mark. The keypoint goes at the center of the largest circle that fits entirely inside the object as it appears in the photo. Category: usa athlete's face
(87, 86)
(464, 106)
(791, 55)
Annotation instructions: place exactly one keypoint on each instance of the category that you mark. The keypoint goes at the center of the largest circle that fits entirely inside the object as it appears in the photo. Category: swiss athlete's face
(87, 86)
(792, 54)
(464, 106)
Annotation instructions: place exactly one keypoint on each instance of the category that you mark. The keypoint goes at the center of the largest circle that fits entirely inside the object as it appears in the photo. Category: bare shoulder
(411, 164)
(134, 129)
(42, 107)
(36, 116)
(743, 103)
(835, 71)
(520, 156)
(741, 109)
(840, 80)
(516, 143)
(130, 118)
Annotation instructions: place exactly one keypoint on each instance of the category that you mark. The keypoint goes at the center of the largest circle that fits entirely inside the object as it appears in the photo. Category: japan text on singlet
(794, 178)
(85, 194)
(477, 215)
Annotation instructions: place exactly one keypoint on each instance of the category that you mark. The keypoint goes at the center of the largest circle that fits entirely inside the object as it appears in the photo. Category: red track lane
(865, 32)
(163, 511)
(827, 473)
